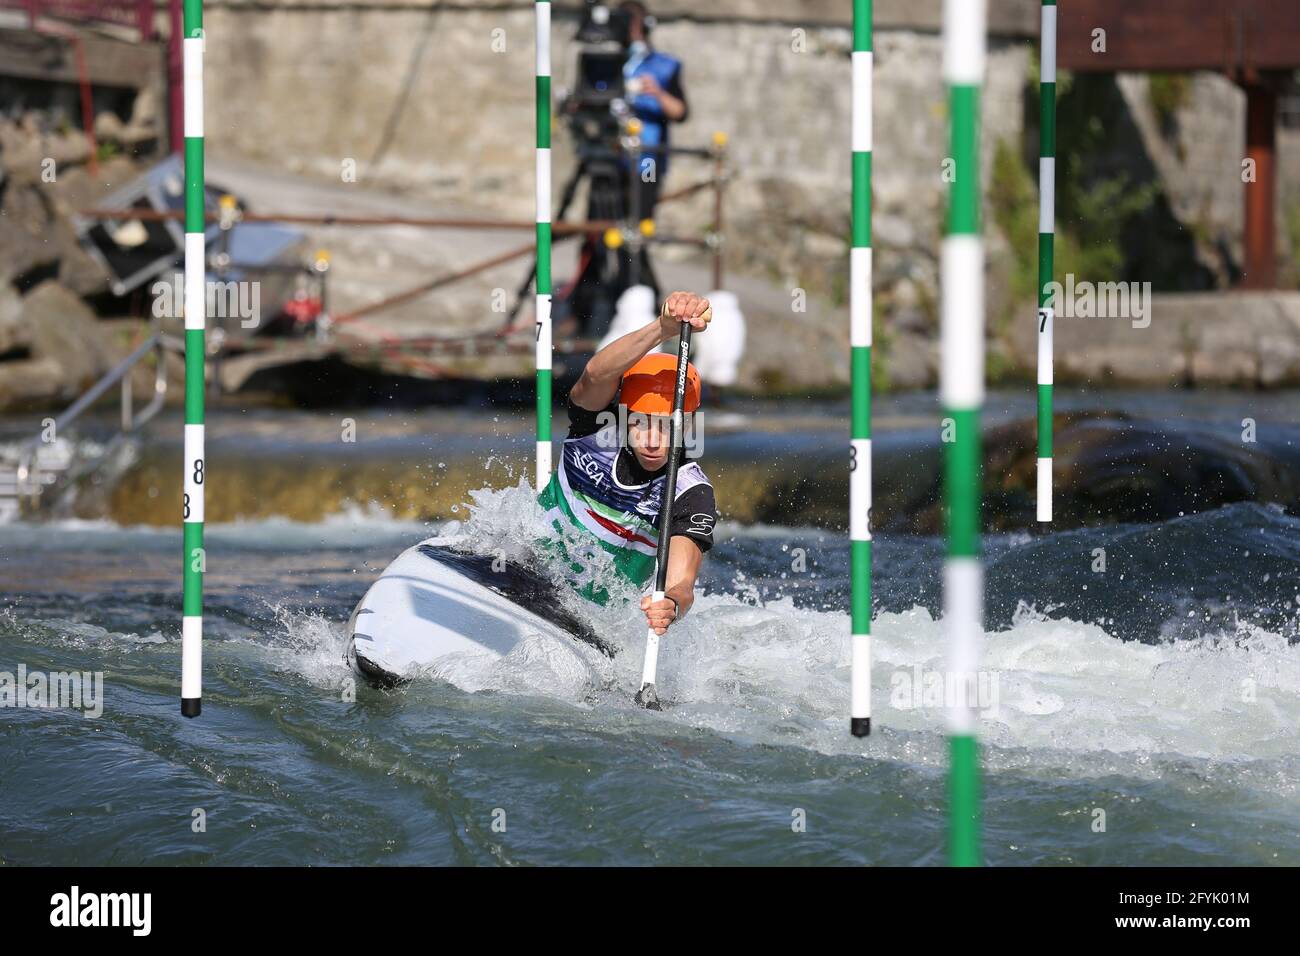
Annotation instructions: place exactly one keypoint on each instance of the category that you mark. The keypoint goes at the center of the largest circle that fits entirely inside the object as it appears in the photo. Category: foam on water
(1070, 699)
(351, 526)
(72, 633)
(313, 645)
(1064, 694)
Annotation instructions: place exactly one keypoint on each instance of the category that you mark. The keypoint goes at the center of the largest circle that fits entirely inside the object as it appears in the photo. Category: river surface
(1142, 711)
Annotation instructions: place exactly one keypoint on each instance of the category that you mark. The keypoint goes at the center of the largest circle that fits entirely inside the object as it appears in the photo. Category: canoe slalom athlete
(611, 476)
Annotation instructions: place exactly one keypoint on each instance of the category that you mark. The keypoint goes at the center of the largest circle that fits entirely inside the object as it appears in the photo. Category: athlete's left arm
(684, 559)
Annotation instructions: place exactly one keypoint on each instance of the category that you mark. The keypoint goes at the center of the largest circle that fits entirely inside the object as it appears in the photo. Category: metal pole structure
(1261, 192)
(860, 309)
(962, 386)
(543, 8)
(1046, 239)
(195, 310)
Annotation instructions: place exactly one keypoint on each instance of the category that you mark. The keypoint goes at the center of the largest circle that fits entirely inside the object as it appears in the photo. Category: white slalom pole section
(963, 610)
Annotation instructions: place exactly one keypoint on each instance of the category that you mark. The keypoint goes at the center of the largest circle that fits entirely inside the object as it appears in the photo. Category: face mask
(637, 49)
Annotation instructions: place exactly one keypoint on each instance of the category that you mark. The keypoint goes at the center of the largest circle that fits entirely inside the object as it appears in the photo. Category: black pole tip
(861, 726)
(191, 706)
(647, 697)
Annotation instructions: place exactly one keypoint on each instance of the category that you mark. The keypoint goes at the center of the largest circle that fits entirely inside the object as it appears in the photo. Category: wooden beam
(1237, 37)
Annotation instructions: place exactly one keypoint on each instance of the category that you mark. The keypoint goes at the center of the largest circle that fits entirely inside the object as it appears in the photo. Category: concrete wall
(438, 101)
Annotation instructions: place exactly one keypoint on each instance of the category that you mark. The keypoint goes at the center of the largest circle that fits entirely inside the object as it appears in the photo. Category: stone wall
(437, 101)
(1197, 151)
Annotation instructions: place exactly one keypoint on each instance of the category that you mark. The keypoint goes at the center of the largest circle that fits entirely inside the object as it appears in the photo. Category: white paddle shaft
(651, 664)
(646, 696)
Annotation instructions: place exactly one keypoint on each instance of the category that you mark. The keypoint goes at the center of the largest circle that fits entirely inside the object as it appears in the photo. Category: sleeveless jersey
(623, 520)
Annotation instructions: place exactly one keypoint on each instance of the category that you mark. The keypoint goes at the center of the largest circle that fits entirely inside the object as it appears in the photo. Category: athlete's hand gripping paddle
(646, 696)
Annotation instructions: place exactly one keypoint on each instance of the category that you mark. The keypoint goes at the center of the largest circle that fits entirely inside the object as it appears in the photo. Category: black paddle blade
(647, 697)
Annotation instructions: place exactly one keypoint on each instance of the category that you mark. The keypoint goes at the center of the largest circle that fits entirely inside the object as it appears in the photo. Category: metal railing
(31, 479)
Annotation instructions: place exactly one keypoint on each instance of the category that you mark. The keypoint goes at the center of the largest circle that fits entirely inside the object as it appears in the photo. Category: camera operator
(653, 81)
(620, 76)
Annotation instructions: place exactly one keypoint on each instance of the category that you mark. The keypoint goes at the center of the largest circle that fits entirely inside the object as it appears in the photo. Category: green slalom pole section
(860, 309)
(1046, 241)
(962, 387)
(543, 302)
(195, 311)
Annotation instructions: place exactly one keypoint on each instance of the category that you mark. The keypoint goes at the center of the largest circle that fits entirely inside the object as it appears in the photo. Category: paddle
(646, 696)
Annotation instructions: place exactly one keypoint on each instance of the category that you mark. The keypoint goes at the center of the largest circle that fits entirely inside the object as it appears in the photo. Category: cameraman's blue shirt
(667, 72)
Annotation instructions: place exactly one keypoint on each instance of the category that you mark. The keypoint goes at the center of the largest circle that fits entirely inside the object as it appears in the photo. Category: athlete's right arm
(599, 382)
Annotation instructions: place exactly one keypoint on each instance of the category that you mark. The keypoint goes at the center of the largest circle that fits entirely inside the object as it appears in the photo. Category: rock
(29, 154)
(77, 270)
(910, 361)
(905, 294)
(76, 188)
(30, 383)
(912, 321)
(905, 311)
(15, 335)
(27, 207)
(69, 350)
(21, 248)
(108, 128)
(144, 123)
(892, 230)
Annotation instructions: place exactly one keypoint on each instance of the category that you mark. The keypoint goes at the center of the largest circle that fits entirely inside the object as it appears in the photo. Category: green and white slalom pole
(962, 385)
(860, 343)
(543, 89)
(195, 309)
(1046, 239)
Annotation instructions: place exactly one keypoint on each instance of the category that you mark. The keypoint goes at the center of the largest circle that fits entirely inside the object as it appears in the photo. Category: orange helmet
(648, 386)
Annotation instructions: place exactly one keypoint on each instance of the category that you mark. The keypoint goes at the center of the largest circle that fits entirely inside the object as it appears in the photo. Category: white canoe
(434, 602)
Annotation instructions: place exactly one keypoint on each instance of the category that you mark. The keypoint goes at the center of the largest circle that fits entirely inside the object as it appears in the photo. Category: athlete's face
(649, 437)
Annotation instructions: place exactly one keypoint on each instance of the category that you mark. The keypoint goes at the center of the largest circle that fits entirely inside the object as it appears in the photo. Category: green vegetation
(1089, 221)
(1169, 92)
(1292, 216)
(1092, 213)
(882, 340)
(1013, 203)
